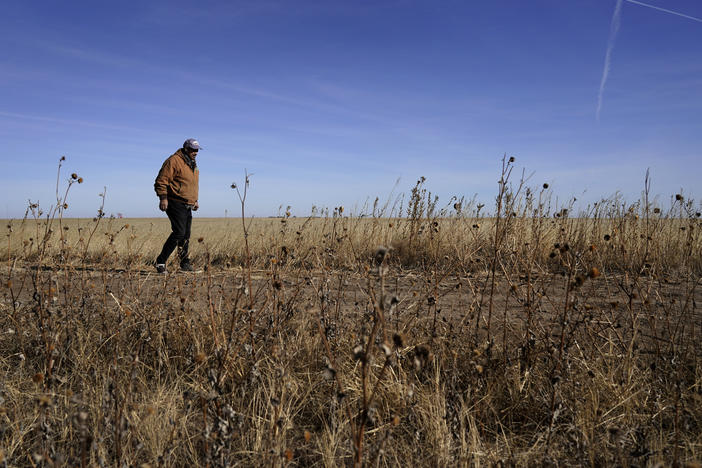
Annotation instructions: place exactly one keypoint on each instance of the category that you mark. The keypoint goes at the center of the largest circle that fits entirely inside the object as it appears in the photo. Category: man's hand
(163, 204)
(196, 206)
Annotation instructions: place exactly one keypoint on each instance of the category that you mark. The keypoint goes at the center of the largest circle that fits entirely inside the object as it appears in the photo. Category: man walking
(177, 189)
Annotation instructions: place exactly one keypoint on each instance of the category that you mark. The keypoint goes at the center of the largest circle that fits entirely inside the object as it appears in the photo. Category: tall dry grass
(409, 334)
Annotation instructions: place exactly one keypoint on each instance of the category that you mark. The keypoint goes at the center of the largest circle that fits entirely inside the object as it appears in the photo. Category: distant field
(439, 338)
(616, 242)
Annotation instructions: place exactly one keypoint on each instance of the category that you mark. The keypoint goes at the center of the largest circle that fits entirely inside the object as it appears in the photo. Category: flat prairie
(417, 337)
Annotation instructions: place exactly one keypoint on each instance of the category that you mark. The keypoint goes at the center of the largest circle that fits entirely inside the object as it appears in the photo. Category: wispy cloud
(699, 20)
(613, 30)
(321, 103)
(70, 122)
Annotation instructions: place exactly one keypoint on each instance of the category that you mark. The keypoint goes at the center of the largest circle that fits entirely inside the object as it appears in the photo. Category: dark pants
(181, 217)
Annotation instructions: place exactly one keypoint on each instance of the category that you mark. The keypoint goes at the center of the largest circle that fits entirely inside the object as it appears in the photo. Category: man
(177, 189)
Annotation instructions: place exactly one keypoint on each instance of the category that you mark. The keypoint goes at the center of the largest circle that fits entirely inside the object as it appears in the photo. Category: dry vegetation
(516, 334)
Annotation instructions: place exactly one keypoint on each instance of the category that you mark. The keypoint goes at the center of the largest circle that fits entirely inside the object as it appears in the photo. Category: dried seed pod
(380, 254)
(329, 373)
(385, 349)
(359, 354)
(421, 357)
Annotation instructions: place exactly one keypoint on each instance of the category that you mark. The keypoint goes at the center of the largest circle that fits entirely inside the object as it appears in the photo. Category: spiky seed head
(329, 373)
(386, 349)
(380, 254)
(421, 356)
(358, 353)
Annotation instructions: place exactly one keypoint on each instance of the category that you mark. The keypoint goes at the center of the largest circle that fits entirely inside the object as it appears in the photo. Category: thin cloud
(123, 62)
(613, 30)
(70, 122)
(699, 20)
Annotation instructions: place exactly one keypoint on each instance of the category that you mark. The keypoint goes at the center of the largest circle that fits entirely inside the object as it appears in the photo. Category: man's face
(191, 152)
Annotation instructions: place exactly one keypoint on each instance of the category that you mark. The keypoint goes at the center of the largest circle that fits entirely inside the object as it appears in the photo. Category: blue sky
(331, 102)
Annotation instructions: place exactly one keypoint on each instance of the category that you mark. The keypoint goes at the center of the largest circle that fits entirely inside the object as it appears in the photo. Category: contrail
(665, 10)
(613, 29)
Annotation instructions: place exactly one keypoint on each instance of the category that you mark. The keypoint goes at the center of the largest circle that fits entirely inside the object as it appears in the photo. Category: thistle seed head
(386, 349)
(380, 254)
(329, 373)
(358, 353)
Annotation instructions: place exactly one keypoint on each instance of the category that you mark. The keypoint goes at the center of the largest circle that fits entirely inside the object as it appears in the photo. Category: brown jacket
(176, 181)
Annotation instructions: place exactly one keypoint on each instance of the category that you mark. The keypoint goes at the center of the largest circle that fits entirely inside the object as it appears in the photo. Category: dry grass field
(414, 334)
